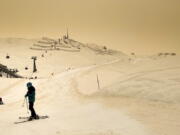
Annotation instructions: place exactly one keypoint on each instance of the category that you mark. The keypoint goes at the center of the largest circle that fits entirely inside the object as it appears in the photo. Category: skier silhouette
(31, 98)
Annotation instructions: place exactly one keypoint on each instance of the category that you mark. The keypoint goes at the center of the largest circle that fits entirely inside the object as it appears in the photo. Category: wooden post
(67, 36)
(98, 82)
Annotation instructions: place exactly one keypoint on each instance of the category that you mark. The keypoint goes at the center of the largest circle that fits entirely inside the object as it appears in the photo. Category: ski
(26, 119)
(18, 122)
(40, 117)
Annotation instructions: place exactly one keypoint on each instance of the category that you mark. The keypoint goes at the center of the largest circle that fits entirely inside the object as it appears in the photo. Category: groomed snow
(137, 96)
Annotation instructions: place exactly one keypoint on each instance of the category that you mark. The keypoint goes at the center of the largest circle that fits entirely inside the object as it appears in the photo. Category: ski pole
(23, 102)
(27, 105)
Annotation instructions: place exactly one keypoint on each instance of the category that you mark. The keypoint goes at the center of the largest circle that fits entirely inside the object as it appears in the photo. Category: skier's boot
(30, 118)
(36, 117)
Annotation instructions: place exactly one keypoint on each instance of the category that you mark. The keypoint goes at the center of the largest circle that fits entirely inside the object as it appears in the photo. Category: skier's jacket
(31, 94)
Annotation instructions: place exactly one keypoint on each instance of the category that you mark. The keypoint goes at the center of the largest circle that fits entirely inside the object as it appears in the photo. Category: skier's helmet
(29, 84)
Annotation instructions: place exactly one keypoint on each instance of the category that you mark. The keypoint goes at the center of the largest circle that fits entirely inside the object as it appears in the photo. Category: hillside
(147, 78)
(137, 95)
(51, 60)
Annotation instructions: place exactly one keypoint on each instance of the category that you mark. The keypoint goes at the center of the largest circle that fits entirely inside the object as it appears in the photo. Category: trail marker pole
(98, 82)
(23, 102)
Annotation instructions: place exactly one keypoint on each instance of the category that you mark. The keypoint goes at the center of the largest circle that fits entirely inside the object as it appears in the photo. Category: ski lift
(7, 56)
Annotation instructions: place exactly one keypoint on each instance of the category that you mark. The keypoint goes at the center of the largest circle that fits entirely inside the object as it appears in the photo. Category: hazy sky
(143, 26)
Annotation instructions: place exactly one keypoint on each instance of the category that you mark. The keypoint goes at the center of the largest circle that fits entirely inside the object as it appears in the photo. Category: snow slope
(53, 61)
(137, 96)
(152, 79)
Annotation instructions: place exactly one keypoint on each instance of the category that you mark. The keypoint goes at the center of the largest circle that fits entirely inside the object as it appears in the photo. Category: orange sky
(142, 26)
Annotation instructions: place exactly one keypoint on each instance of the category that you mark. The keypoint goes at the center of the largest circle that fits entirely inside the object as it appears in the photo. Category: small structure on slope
(9, 73)
(63, 43)
(1, 101)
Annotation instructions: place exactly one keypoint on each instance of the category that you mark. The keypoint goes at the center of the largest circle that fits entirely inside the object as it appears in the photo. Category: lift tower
(34, 63)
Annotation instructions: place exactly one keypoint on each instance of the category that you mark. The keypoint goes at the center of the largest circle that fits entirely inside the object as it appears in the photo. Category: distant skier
(1, 101)
(31, 98)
